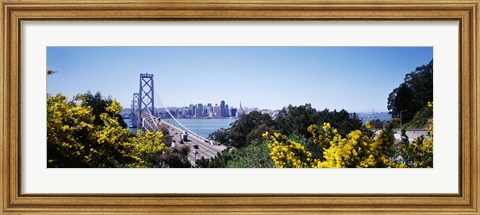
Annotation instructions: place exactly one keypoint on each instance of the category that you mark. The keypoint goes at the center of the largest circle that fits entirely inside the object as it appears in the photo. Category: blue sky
(357, 79)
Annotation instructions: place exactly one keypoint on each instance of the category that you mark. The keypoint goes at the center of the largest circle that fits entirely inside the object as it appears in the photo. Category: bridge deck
(206, 148)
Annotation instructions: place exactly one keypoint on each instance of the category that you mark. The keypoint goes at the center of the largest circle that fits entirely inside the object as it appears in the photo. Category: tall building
(233, 112)
(222, 109)
(184, 111)
(199, 111)
(190, 110)
(210, 113)
(227, 111)
(240, 110)
(216, 111)
(178, 113)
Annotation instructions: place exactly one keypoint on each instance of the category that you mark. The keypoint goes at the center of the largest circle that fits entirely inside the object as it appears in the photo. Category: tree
(177, 157)
(98, 104)
(286, 153)
(147, 146)
(296, 119)
(68, 126)
(342, 120)
(255, 155)
(402, 100)
(245, 126)
(421, 118)
(50, 72)
(377, 123)
(419, 152)
(221, 135)
(421, 83)
(219, 161)
(413, 94)
(75, 139)
(256, 134)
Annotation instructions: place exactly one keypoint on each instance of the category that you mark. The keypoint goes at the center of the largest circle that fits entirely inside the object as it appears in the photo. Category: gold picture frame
(14, 12)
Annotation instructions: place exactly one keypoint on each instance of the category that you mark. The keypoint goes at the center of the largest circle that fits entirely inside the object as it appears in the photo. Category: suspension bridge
(142, 117)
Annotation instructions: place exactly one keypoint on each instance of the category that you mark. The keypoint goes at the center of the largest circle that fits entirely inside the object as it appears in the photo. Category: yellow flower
(368, 125)
(326, 126)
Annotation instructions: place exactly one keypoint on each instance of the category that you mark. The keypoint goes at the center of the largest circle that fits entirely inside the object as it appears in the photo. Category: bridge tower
(133, 114)
(145, 97)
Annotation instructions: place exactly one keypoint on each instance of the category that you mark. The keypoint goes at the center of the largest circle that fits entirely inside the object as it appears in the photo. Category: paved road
(411, 133)
(205, 148)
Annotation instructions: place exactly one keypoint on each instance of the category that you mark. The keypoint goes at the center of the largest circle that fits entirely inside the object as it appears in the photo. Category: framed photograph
(239, 107)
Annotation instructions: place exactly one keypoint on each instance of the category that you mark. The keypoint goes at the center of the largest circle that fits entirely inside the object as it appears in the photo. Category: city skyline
(205, 110)
(357, 79)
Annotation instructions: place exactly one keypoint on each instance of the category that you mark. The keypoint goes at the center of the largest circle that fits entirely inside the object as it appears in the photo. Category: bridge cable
(153, 119)
(149, 124)
(166, 109)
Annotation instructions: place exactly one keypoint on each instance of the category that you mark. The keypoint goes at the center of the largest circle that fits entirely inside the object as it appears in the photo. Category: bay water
(203, 127)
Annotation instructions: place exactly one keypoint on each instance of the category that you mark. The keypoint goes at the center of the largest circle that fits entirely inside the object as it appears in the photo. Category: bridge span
(142, 118)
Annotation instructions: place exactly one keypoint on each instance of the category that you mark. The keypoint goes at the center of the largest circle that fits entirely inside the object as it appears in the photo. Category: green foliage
(249, 125)
(246, 124)
(148, 146)
(221, 135)
(293, 119)
(421, 118)
(256, 134)
(315, 149)
(413, 94)
(255, 155)
(296, 119)
(99, 104)
(419, 152)
(344, 121)
(167, 138)
(377, 124)
(50, 72)
(177, 157)
(219, 161)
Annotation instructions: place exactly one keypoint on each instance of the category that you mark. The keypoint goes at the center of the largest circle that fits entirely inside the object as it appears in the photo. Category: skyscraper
(190, 110)
(210, 113)
(216, 111)
(233, 112)
(222, 109)
(199, 111)
(240, 110)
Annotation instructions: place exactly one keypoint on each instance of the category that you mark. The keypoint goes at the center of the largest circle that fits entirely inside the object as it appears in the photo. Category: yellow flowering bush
(75, 140)
(359, 149)
(148, 145)
(419, 152)
(286, 153)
